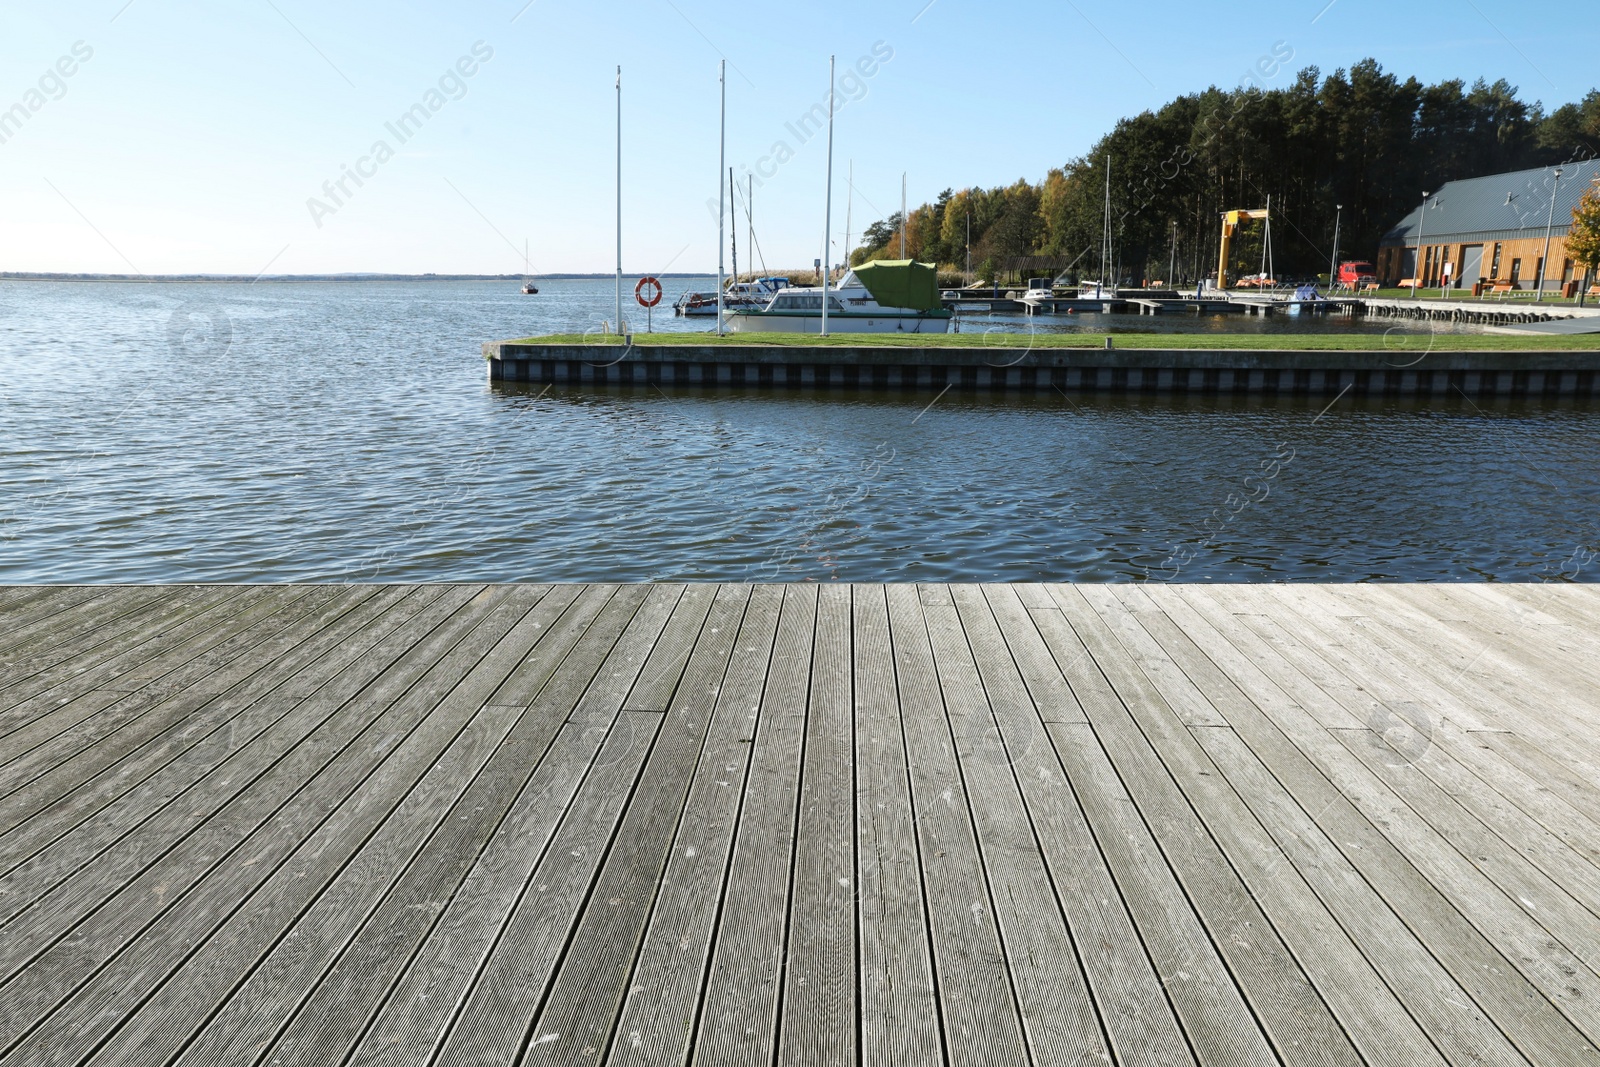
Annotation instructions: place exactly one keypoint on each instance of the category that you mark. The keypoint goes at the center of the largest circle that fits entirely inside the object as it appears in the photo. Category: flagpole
(827, 217)
(619, 200)
(722, 162)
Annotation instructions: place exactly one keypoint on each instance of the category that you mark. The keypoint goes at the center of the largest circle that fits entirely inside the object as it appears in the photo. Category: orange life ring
(654, 288)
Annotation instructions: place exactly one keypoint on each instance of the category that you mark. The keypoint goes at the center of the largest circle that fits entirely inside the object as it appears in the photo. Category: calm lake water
(346, 431)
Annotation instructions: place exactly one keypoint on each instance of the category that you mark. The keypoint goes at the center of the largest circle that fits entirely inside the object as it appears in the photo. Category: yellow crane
(1230, 223)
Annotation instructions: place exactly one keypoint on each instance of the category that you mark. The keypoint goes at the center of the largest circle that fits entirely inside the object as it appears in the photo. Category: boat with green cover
(886, 296)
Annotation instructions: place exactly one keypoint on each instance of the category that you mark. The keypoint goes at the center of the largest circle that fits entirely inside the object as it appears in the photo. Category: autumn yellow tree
(1583, 240)
(953, 228)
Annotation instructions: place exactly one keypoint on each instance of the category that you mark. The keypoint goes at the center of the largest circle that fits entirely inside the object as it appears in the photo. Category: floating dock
(1242, 302)
(800, 825)
(1422, 369)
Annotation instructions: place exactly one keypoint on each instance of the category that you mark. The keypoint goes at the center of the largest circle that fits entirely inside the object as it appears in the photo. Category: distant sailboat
(527, 279)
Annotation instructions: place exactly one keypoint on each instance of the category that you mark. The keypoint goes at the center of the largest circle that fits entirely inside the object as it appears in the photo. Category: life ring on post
(650, 286)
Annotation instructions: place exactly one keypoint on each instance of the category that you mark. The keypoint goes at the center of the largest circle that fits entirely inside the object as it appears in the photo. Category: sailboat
(1101, 289)
(528, 288)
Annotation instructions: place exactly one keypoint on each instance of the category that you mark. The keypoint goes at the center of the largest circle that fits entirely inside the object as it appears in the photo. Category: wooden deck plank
(1535, 923)
(1136, 1016)
(22, 608)
(170, 631)
(1252, 818)
(50, 713)
(211, 702)
(571, 969)
(1287, 1004)
(593, 727)
(102, 664)
(978, 1008)
(221, 658)
(1047, 685)
(739, 1006)
(386, 826)
(664, 670)
(398, 659)
(247, 982)
(1236, 971)
(394, 826)
(102, 966)
(1560, 840)
(524, 952)
(818, 1021)
(668, 974)
(338, 1010)
(31, 640)
(39, 966)
(1528, 668)
(1522, 731)
(899, 1014)
(19, 603)
(1574, 605)
(997, 731)
(589, 988)
(1333, 797)
(1502, 660)
(39, 853)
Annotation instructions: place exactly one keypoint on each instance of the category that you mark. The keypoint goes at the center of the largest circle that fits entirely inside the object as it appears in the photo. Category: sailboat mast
(1105, 238)
(733, 237)
(722, 160)
(619, 199)
(902, 215)
(1266, 242)
(827, 211)
(849, 205)
(750, 220)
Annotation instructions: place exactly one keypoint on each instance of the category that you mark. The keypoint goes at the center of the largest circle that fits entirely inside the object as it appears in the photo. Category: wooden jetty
(1429, 369)
(1265, 304)
(800, 825)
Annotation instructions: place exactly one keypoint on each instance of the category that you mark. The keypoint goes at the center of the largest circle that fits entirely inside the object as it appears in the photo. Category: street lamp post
(1544, 261)
(1333, 267)
(1416, 272)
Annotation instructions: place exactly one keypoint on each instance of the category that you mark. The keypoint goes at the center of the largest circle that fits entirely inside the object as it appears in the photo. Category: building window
(1538, 271)
(1516, 271)
(1566, 271)
(1494, 267)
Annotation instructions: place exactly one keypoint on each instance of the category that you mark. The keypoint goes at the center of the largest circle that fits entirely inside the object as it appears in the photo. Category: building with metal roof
(1490, 230)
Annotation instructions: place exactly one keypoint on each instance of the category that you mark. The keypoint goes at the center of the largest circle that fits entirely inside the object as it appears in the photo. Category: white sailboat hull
(884, 321)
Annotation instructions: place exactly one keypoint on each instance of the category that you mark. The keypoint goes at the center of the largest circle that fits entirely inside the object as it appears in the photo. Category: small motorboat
(529, 288)
(1039, 299)
(756, 294)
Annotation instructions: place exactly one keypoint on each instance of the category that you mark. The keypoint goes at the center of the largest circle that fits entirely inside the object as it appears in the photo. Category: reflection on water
(347, 432)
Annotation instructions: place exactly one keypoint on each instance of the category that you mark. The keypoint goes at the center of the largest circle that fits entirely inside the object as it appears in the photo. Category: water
(346, 431)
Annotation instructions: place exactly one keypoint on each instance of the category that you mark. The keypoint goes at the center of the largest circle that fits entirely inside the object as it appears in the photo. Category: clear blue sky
(194, 135)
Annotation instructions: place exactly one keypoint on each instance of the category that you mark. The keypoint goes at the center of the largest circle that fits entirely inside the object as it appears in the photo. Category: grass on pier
(1414, 341)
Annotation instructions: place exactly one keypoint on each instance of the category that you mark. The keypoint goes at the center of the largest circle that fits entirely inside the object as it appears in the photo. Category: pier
(1246, 302)
(1429, 368)
(802, 825)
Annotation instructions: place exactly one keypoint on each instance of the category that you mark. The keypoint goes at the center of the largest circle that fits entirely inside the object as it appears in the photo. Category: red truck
(1354, 273)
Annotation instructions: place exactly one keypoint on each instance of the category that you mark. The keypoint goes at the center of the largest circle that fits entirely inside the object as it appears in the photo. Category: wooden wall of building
(1515, 261)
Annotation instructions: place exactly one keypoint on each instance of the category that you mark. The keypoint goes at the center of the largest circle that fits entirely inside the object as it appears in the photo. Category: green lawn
(1399, 341)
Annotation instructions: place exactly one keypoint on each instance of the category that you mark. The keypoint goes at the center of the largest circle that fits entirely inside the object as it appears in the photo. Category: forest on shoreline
(1360, 138)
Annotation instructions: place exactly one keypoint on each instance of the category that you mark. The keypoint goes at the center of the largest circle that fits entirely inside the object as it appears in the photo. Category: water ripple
(345, 431)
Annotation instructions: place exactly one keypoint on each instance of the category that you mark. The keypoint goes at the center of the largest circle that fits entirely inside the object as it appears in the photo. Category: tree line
(1360, 138)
